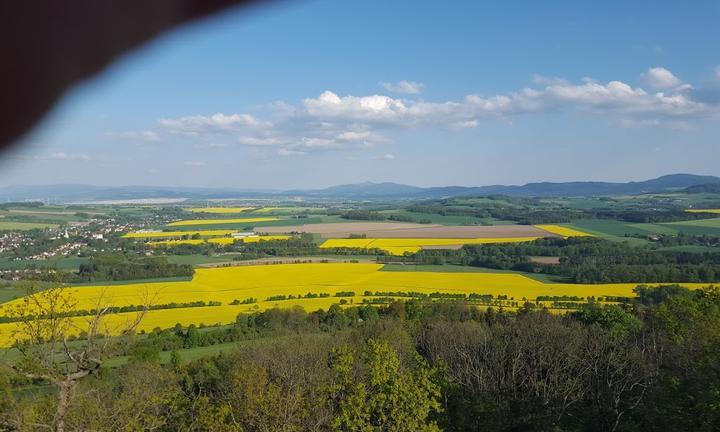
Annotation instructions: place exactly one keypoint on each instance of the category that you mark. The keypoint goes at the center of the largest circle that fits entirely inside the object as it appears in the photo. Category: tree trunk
(65, 389)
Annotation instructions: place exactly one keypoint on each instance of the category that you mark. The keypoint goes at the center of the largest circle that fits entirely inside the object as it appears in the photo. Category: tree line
(530, 211)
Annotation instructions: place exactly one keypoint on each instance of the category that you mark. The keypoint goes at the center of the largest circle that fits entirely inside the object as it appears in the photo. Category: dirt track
(410, 230)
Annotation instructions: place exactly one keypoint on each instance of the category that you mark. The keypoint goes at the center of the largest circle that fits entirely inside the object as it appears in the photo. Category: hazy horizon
(306, 95)
(284, 189)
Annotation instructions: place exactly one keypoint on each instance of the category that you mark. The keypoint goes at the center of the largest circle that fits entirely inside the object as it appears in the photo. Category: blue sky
(317, 93)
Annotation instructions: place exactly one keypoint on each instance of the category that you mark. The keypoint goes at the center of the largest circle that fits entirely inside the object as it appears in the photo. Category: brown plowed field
(409, 230)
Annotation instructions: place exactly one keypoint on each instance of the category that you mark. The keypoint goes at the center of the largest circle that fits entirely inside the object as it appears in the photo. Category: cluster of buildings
(9, 241)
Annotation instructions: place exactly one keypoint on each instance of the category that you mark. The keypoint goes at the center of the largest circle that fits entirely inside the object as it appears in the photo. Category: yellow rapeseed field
(262, 281)
(215, 240)
(563, 231)
(218, 210)
(398, 246)
(171, 234)
(192, 222)
(219, 240)
(703, 210)
(255, 239)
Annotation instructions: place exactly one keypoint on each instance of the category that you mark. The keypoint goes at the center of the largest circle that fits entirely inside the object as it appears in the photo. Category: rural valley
(174, 285)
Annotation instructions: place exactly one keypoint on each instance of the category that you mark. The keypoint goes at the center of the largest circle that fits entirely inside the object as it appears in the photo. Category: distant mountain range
(85, 193)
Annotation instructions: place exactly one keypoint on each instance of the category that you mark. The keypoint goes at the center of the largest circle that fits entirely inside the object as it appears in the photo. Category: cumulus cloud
(332, 122)
(661, 78)
(614, 97)
(406, 87)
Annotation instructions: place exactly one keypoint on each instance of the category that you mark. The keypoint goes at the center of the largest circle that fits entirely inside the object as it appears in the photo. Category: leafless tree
(44, 333)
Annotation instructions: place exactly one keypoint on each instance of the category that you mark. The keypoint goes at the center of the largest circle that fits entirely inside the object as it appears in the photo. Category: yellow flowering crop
(220, 221)
(703, 210)
(171, 234)
(215, 240)
(563, 231)
(219, 240)
(255, 239)
(227, 284)
(398, 246)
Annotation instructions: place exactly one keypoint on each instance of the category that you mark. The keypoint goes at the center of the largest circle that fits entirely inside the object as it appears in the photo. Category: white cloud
(388, 156)
(614, 97)
(219, 122)
(258, 141)
(362, 136)
(466, 124)
(146, 135)
(194, 163)
(332, 122)
(406, 87)
(313, 143)
(661, 78)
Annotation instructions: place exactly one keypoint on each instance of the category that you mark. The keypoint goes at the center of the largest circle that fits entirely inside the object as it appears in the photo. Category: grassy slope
(609, 230)
(190, 354)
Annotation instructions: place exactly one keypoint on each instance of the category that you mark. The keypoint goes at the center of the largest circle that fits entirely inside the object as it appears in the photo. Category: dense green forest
(409, 366)
(116, 267)
(531, 211)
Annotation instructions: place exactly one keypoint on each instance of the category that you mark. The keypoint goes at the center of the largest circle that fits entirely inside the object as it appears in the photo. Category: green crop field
(63, 263)
(24, 226)
(188, 355)
(612, 229)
